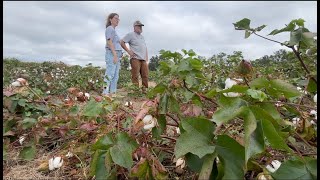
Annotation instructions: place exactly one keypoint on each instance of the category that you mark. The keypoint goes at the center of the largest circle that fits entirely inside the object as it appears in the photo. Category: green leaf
(271, 110)
(92, 108)
(290, 27)
(22, 102)
(141, 170)
(191, 53)
(211, 93)
(295, 169)
(260, 28)
(103, 142)
(163, 104)
(28, 123)
(173, 105)
(233, 157)
(164, 68)
(156, 132)
(207, 166)
(256, 94)
(193, 162)
(196, 138)
(259, 83)
(160, 88)
(247, 34)
(254, 142)
(121, 152)
(97, 165)
(243, 24)
(284, 88)
(74, 110)
(271, 134)
(312, 86)
(229, 111)
(266, 114)
(28, 153)
(196, 64)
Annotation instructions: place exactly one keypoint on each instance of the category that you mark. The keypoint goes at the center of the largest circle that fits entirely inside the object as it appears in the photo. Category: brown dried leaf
(141, 114)
(88, 127)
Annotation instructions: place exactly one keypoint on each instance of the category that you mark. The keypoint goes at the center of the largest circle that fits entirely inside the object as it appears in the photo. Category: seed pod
(244, 68)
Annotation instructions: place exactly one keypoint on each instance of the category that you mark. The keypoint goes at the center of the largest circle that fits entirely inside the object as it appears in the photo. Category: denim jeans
(111, 75)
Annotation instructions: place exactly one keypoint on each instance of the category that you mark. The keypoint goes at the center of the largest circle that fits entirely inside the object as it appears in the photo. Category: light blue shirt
(137, 45)
(112, 34)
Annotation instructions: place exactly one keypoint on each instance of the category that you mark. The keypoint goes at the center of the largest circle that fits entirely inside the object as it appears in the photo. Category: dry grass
(16, 168)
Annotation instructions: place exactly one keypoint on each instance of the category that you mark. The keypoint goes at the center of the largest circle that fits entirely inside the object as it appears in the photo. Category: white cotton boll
(21, 139)
(178, 130)
(229, 83)
(67, 99)
(24, 71)
(312, 122)
(87, 95)
(97, 80)
(48, 92)
(69, 155)
(51, 166)
(299, 88)
(129, 68)
(181, 162)
(149, 126)
(57, 162)
(16, 84)
(128, 103)
(217, 160)
(275, 164)
(147, 119)
(313, 112)
(231, 94)
(296, 119)
(315, 98)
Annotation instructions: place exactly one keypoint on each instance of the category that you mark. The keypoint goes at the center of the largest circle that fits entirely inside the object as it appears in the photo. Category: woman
(113, 55)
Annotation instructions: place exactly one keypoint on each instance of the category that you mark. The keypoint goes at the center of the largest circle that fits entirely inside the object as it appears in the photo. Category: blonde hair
(111, 15)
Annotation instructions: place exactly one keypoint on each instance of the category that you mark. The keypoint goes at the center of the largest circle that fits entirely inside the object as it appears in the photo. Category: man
(138, 55)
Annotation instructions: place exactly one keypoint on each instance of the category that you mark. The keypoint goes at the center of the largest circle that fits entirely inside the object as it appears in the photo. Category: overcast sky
(74, 32)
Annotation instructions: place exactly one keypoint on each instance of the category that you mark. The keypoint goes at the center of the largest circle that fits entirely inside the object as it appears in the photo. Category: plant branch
(302, 63)
(198, 94)
(270, 39)
(292, 104)
(176, 121)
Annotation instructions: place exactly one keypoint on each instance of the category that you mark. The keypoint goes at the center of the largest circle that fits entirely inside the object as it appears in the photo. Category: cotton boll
(87, 95)
(315, 98)
(16, 84)
(178, 130)
(313, 112)
(21, 139)
(69, 155)
(149, 126)
(55, 163)
(181, 162)
(275, 164)
(229, 83)
(147, 119)
(231, 94)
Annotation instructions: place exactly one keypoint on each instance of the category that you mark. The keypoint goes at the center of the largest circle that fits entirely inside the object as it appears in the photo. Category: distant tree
(154, 63)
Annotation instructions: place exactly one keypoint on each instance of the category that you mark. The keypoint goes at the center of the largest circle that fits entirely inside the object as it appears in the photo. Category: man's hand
(131, 53)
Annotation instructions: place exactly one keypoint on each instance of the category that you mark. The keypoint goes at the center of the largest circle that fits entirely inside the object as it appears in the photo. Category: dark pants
(139, 67)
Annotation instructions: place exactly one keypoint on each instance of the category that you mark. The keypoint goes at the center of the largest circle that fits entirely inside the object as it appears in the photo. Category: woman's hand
(115, 59)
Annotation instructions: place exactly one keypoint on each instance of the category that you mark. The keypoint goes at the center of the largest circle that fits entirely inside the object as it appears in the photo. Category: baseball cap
(138, 23)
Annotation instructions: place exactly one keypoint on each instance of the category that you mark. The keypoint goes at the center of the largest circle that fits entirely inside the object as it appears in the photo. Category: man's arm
(124, 46)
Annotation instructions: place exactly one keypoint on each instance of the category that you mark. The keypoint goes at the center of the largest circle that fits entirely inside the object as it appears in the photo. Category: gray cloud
(73, 32)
